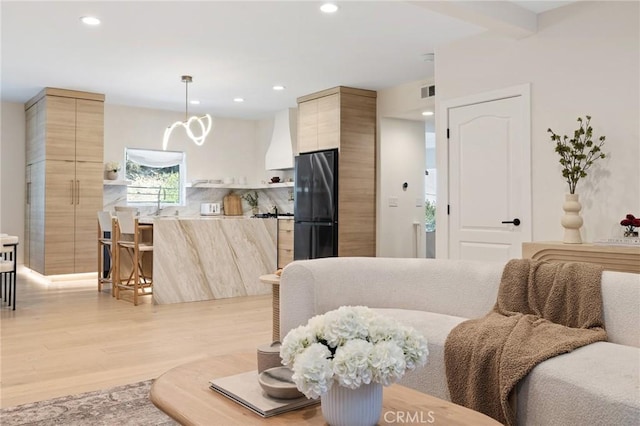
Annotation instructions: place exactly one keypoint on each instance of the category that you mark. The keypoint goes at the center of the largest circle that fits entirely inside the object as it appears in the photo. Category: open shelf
(214, 185)
(238, 186)
(117, 182)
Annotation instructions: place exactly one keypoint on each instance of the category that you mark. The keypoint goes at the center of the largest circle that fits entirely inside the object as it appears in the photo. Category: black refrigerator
(316, 205)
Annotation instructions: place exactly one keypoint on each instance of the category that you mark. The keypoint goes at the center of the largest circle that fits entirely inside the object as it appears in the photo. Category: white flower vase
(352, 407)
(572, 221)
(111, 175)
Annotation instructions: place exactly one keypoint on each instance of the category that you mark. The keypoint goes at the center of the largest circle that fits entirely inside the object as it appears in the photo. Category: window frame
(182, 174)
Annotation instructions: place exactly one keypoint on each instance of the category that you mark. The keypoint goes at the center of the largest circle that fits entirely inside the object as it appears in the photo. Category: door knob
(515, 221)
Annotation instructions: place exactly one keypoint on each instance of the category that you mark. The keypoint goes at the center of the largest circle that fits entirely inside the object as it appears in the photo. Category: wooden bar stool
(130, 239)
(105, 243)
(115, 251)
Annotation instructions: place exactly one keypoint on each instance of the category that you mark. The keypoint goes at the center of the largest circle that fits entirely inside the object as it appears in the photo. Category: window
(157, 177)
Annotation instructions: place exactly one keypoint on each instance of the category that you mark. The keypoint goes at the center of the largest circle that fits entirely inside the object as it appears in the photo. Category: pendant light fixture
(204, 122)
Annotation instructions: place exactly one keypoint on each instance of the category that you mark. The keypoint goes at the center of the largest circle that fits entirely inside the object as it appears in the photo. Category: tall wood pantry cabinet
(345, 118)
(64, 175)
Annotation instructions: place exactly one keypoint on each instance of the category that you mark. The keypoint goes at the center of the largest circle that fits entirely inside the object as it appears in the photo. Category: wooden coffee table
(183, 393)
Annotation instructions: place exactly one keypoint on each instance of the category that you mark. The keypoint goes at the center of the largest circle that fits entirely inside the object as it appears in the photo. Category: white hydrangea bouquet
(352, 346)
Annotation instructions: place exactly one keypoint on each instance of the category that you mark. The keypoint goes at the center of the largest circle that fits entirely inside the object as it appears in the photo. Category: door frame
(442, 158)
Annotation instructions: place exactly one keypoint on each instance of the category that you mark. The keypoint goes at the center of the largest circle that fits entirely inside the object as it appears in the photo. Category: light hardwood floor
(66, 338)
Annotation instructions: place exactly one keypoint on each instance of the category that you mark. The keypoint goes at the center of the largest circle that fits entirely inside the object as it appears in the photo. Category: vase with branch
(252, 200)
(577, 155)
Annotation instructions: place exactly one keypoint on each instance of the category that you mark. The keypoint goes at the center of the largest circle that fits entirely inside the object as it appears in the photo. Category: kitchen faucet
(161, 191)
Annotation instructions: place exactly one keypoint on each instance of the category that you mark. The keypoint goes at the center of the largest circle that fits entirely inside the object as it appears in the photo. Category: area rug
(123, 405)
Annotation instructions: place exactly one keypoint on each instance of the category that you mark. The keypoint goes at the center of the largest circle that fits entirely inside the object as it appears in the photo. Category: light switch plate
(419, 202)
(393, 201)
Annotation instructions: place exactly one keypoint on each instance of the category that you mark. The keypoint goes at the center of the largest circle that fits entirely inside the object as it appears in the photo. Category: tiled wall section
(282, 198)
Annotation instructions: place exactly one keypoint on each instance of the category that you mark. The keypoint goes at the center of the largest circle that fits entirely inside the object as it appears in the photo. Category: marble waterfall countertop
(203, 258)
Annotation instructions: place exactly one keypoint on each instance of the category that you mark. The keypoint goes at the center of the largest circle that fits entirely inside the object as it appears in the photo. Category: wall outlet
(393, 201)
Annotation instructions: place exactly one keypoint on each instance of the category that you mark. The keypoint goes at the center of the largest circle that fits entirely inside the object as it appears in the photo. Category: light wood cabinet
(308, 126)
(64, 151)
(285, 242)
(345, 118)
(34, 217)
(319, 123)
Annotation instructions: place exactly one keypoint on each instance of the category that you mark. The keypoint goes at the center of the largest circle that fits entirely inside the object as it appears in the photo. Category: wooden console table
(612, 258)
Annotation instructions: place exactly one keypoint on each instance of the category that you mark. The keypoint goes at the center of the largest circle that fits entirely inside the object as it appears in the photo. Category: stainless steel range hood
(280, 153)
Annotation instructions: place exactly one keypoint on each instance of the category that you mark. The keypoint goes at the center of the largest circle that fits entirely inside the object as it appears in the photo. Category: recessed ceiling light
(194, 102)
(329, 8)
(278, 87)
(90, 20)
(238, 99)
(427, 113)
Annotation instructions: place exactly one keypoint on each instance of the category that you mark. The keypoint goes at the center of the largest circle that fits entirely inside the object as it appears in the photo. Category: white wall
(402, 100)
(401, 159)
(234, 148)
(12, 171)
(584, 60)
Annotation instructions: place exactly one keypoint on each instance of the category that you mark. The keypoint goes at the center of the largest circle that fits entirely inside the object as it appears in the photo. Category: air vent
(427, 91)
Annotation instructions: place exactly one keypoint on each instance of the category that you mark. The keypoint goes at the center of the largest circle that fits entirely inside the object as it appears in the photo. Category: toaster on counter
(209, 209)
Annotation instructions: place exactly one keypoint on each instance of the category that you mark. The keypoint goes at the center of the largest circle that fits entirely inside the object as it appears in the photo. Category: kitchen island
(203, 258)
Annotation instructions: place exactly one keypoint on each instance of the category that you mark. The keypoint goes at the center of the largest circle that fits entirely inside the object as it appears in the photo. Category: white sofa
(598, 384)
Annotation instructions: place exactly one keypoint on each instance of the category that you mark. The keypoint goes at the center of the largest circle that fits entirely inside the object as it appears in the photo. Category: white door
(489, 179)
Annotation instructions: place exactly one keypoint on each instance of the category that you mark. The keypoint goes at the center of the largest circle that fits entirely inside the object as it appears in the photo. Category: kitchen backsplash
(282, 198)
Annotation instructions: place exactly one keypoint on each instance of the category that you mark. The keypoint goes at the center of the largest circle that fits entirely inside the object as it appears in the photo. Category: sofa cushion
(598, 384)
(434, 327)
(620, 300)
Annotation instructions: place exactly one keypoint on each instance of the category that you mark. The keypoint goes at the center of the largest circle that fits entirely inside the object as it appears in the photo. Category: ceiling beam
(502, 17)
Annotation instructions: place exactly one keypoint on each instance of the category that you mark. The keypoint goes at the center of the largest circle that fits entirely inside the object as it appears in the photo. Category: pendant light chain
(186, 79)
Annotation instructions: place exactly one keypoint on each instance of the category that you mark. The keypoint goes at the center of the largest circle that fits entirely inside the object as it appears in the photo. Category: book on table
(244, 389)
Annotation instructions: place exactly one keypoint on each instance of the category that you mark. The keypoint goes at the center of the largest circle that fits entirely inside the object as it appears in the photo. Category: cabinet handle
(78, 192)
(73, 193)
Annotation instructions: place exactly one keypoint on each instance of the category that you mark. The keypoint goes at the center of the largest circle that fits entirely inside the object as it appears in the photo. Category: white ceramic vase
(352, 407)
(572, 221)
(111, 175)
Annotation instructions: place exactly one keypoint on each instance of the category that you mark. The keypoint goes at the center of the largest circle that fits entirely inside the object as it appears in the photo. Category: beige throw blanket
(542, 310)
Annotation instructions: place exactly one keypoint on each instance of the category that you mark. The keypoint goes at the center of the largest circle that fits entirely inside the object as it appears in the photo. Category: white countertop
(151, 219)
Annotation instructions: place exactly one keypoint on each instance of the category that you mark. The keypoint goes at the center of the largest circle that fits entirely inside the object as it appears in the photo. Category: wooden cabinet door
(60, 132)
(34, 132)
(329, 122)
(59, 219)
(89, 185)
(308, 126)
(89, 130)
(31, 131)
(36, 216)
(285, 242)
(27, 216)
